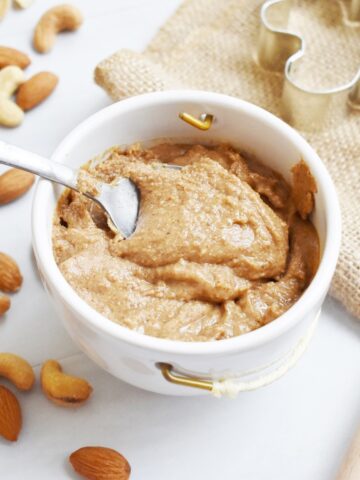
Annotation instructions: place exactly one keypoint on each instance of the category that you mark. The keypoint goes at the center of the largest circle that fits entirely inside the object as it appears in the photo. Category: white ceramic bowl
(129, 355)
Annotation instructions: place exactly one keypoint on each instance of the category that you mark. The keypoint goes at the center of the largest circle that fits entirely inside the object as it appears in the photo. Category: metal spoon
(120, 201)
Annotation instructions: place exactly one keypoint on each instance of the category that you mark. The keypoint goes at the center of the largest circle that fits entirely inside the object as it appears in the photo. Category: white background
(296, 429)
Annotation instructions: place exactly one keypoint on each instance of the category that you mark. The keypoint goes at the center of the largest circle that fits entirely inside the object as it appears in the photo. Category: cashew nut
(4, 7)
(11, 56)
(23, 3)
(55, 20)
(63, 389)
(10, 114)
(10, 78)
(17, 370)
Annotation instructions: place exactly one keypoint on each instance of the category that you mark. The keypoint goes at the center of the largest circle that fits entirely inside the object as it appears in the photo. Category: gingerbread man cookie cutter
(279, 50)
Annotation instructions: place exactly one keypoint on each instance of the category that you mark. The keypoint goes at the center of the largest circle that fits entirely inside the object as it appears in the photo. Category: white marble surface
(296, 429)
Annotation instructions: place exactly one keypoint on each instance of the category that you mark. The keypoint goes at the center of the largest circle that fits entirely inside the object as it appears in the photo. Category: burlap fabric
(209, 45)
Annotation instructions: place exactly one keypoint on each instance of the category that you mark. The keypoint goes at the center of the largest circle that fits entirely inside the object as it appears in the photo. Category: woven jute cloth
(209, 45)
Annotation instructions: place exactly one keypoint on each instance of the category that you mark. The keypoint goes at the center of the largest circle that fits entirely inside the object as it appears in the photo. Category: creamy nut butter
(222, 247)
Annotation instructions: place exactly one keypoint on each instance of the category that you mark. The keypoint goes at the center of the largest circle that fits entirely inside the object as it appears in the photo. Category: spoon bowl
(120, 201)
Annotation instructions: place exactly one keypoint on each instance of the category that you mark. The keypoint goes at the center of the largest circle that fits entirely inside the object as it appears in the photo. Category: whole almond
(10, 276)
(36, 90)
(4, 304)
(10, 415)
(11, 56)
(13, 184)
(100, 463)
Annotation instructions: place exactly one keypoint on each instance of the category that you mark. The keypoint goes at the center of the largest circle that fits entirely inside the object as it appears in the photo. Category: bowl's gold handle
(168, 373)
(203, 123)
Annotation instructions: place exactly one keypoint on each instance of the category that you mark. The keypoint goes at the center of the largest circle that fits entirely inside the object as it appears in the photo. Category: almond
(100, 463)
(4, 304)
(11, 56)
(13, 184)
(36, 90)
(10, 415)
(10, 276)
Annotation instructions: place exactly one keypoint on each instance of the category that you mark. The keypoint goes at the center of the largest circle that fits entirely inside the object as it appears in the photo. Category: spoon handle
(31, 162)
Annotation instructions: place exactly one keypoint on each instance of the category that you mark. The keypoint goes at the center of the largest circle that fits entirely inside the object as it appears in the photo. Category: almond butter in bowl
(221, 247)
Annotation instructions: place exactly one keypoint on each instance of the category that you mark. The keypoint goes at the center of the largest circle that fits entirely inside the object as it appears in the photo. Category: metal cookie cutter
(279, 50)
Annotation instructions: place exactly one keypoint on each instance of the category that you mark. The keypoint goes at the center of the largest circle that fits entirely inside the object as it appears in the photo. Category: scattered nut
(14, 183)
(100, 463)
(10, 114)
(4, 304)
(10, 78)
(23, 3)
(35, 90)
(10, 276)
(11, 56)
(55, 20)
(4, 7)
(63, 389)
(17, 370)
(10, 415)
